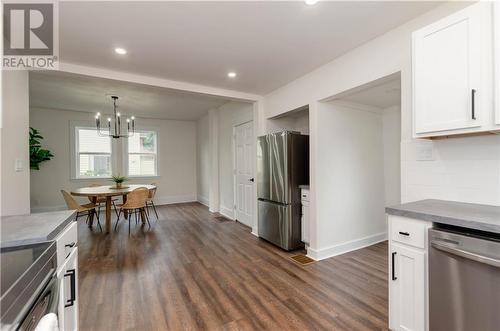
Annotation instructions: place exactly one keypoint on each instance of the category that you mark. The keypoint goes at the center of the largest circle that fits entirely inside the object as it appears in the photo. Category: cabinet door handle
(71, 245)
(72, 275)
(473, 101)
(392, 262)
(404, 233)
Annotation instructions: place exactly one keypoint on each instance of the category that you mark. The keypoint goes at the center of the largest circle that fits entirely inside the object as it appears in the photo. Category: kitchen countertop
(34, 228)
(304, 186)
(467, 215)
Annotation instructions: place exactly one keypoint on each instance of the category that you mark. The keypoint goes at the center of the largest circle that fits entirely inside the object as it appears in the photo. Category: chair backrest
(70, 201)
(137, 198)
(152, 192)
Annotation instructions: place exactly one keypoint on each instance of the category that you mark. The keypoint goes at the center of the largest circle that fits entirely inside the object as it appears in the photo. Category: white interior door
(243, 173)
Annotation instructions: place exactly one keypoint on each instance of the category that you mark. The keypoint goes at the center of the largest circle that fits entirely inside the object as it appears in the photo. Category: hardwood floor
(193, 271)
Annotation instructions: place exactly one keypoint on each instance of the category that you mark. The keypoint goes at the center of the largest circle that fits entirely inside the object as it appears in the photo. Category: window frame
(157, 153)
(75, 153)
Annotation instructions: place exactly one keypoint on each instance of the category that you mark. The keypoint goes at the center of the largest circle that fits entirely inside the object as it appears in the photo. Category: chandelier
(115, 125)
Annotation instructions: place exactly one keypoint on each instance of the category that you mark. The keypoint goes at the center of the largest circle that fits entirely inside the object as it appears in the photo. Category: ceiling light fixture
(311, 2)
(115, 128)
(231, 74)
(121, 51)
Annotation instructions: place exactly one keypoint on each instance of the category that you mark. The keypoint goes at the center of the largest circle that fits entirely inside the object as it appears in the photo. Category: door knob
(251, 180)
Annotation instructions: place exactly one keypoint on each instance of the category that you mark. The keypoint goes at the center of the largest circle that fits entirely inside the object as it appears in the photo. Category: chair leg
(135, 214)
(154, 208)
(114, 206)
(147, 219)
(98, 222)
(129, 219)
(77, 215)
(116, 224)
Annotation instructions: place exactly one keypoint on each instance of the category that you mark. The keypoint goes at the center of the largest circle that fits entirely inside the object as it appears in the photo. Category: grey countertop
(467, 215)
(304, 186)
(29, 229)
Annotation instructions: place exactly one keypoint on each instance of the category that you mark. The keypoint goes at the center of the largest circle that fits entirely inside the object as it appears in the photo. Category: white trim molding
(227, 212)
(203, 200)
(345, 247)
(159, 201)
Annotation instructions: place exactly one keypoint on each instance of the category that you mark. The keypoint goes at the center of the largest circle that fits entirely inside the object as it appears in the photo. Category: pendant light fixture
(115, 125)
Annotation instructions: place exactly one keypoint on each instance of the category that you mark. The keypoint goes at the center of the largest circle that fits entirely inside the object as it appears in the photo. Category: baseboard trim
(174, 199)
(345, 247)
(227, 212)
(203, 200)
(158, 201)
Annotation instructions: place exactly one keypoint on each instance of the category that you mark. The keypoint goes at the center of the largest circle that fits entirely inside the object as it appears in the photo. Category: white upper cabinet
(452, 81)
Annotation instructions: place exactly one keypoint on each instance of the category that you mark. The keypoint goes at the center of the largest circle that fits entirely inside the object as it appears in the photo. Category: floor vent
(221, 219)
(302, 259)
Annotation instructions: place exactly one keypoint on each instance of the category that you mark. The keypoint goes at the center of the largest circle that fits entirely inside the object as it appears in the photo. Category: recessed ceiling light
(311, 2)
(231, 74)
(121, 51)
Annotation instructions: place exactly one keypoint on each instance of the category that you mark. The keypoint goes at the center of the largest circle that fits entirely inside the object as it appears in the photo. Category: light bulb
(109, 119)
(98, 114)
(133, 118)
(118, 114)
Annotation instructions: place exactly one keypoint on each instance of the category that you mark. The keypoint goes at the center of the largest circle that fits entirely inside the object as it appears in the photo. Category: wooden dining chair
(88, 209)
(149, 201)
(101, 201)
(136, 203)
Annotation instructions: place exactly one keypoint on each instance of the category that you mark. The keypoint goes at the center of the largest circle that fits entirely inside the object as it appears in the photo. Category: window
(142, 154)
(93, 154)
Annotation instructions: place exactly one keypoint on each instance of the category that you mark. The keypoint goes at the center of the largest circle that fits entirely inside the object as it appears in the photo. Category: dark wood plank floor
(194, 272)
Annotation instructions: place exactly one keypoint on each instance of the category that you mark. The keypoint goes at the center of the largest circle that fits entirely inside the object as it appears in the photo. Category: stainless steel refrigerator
(283, 165)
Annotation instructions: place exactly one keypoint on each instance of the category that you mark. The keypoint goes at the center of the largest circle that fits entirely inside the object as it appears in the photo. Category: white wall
(464, 169)
(350, 163)
(15, 190)
(391, 135)
(203, 160)
(219, 133)
(176, 148)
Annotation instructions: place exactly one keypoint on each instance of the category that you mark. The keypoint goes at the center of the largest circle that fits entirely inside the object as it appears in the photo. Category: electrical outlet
(425, 152)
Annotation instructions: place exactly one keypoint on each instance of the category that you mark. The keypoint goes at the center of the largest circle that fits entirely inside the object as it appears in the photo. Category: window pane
(90, 142)
(141, 165)
(95, 165)
(142, 142)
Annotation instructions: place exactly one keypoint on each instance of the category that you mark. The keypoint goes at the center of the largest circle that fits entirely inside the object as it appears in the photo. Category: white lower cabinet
(408, 298)
(68, 295)
(407, 288)
(304, 218)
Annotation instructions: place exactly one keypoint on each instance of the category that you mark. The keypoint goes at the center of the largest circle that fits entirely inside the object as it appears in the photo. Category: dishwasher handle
(466, 254)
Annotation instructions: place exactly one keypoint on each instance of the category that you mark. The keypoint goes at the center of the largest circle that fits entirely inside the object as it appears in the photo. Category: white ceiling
(268, 44)
(56, 90)
(382, 95)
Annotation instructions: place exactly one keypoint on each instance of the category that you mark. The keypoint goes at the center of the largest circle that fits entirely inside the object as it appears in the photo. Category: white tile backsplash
(463, 169)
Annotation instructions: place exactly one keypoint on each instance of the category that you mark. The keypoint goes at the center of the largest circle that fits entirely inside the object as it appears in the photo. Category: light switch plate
(19, 165)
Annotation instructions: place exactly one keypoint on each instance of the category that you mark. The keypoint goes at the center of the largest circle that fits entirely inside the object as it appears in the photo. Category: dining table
(108, 192)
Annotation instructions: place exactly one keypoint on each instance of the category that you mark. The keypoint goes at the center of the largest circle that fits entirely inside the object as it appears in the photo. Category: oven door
(46, 304)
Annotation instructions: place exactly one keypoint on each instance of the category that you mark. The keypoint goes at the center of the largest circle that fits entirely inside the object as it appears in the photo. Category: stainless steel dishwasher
(464, 280)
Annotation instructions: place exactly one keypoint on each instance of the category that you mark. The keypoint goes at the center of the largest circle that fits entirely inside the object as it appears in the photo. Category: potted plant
(37, 153)
(119, 180)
